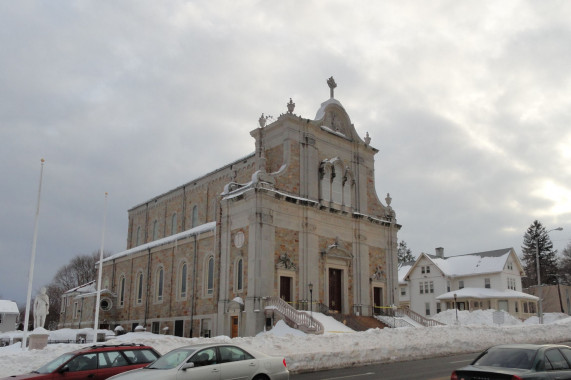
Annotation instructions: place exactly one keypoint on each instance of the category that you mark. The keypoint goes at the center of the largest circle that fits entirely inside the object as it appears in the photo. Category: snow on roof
(321, 111)
(8, 307)
(85, 288)
(472, 263)
(211, 226)
(403, 271)
(485, 293)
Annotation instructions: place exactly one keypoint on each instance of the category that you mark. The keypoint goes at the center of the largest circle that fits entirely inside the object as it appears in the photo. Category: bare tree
(79, 271)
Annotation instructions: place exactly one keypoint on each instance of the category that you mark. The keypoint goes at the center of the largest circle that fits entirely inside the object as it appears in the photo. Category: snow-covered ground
(339, 346)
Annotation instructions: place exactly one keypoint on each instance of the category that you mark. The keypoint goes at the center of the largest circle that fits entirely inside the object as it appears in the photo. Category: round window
(105, 304)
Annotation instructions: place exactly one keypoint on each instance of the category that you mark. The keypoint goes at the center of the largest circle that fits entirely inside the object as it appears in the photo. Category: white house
(8, 315)
(481, 280)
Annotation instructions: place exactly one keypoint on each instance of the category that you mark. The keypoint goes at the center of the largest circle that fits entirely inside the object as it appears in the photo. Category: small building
(9, 315)
(556, 298)
(481, 280)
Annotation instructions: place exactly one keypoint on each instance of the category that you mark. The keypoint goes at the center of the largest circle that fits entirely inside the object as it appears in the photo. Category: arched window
(160, 283)
(194, 216)
(122, 290)
(155, 230)
(347, 188)
(325, 181)
(182, 281)
(239, 275)
(139, 289)
(210, 276)
(174, 226)
(337, 184)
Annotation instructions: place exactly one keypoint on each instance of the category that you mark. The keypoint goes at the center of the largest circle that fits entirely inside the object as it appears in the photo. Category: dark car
(94, 363)
(519, 361)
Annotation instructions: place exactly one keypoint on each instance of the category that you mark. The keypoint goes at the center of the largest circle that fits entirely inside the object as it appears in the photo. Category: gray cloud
(467, 103)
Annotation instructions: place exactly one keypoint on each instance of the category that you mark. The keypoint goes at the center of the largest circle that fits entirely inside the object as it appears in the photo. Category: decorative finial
(367, 139)
(263, 119)
(388, 199)
(331, 83)
(290, 106)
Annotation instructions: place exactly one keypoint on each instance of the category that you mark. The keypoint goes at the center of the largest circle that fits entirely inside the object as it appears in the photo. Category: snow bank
(333, 350)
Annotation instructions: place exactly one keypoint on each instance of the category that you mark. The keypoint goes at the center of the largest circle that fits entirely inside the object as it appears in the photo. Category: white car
(211, 361)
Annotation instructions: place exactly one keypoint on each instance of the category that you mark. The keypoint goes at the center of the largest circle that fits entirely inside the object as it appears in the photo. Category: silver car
(211, 361)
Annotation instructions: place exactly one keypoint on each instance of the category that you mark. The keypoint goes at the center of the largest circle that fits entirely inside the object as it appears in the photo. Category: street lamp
(310, 286)
(539, 292)
(456, 306)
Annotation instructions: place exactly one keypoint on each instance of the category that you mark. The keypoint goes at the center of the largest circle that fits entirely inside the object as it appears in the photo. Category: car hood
(142, 374)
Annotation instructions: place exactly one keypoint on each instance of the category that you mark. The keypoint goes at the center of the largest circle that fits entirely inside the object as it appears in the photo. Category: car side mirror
(187, 366)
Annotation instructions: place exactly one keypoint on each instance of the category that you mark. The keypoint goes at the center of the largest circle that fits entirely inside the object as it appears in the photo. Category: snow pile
(476, 317)
(333, 350)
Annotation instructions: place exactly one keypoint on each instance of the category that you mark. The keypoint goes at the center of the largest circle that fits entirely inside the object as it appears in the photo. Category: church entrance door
(285, 288)
(378, 300)
(335, 276)
(234, 333)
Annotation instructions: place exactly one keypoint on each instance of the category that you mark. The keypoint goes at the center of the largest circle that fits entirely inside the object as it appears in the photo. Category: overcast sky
(468, 103)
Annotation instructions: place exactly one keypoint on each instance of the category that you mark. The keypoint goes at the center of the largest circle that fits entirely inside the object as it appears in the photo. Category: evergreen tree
(565, 266)
(404, 254)
(536, 237)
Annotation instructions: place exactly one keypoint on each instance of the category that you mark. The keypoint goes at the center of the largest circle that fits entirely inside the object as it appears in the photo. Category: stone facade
(302, 209)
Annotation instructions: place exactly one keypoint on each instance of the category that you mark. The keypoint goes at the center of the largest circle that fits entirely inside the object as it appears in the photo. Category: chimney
(440, 252)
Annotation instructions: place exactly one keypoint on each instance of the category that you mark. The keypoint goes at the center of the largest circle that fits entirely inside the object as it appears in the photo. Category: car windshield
(54, 364)
(507, 358)
(172, 359)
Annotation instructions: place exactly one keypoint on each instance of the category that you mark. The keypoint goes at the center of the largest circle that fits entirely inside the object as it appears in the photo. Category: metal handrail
(299, 319)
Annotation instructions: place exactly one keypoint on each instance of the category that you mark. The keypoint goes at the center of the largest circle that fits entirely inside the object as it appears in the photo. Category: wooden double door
(335, 290)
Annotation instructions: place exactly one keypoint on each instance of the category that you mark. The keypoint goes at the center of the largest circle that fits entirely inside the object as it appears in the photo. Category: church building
(296, 225)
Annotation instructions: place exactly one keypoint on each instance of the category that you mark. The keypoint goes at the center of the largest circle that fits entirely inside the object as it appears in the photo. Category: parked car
(518, 362)
(211, 361)
(96, 362)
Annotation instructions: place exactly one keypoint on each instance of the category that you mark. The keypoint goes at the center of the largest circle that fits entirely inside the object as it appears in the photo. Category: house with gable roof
(474, 281)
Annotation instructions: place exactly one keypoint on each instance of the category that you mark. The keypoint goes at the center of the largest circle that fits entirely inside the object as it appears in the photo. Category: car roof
(110, 347)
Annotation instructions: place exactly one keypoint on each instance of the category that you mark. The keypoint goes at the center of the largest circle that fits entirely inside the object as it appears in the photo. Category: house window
(403, 291)
(438, 307)
(532, 308)
(510, 265)
(174, 226)
(431, 286)
(516, 307)
(155, 327)
(210, 276)
(525, 309)
(426, 287)
(160, 284)
(75, 310)
(487, 283)
(239, 274)
(422, 270)
(461, 284)
(421, 288)
(182, 281)
(447, 286)
(122, 291)
(428, 269)
(139, 297)
(427, 307)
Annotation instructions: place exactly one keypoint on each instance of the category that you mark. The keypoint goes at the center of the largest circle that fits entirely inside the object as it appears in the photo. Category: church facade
(298, 220)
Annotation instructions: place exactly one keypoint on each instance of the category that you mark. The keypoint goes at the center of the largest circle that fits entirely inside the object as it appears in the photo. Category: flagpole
(32, 260)
(95, 327)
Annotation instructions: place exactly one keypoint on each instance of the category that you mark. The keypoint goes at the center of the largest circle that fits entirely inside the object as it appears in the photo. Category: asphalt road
(438, 368)
(426, 369)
